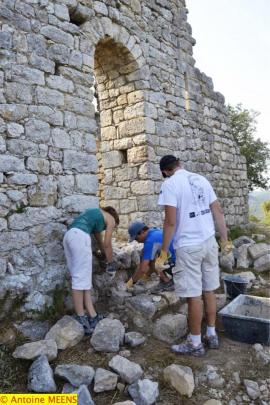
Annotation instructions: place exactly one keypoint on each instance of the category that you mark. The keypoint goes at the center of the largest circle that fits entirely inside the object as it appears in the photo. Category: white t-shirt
(192, 195)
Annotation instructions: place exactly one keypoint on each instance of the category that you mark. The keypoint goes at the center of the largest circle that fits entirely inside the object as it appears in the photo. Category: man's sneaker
(187, 348)
(162, 286)
(83, 320)
(94, 321)
(211, 341)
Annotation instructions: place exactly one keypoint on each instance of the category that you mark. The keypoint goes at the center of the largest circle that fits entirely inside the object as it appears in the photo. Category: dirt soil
(153, 356)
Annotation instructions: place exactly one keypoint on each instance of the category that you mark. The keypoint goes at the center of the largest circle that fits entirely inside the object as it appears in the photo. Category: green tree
(266, 211)
(257, 153)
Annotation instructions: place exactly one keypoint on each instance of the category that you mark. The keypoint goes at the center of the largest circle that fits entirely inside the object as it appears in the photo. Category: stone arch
(123, 144)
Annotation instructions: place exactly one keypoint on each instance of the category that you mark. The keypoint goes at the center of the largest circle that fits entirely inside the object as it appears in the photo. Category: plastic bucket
(234, 285)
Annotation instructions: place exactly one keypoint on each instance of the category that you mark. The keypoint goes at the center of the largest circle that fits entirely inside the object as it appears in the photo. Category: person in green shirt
(78, 252)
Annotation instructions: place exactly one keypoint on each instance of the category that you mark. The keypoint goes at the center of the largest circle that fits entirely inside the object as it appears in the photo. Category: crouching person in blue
(78, 252)
(152, 242)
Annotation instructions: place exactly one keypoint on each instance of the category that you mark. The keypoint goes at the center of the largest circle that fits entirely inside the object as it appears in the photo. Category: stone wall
(59, 155)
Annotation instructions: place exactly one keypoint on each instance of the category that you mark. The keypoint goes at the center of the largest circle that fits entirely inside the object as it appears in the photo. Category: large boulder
(105, 380)
(40, 376)
(75, 374)
(258, 250)
(142, 304)
(30, 351)
(67, 332)
(128, 370)
(169, 328)
(181, 378)
(144, 392)
(108, 335)
(243, 260)
(32, 329)
(262, 263)
(242, 240)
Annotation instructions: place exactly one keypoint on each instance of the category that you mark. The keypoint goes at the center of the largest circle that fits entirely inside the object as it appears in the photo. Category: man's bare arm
(168, 227)
(219, 220)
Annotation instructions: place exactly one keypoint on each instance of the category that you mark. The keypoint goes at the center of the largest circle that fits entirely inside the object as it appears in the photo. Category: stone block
(105, 380)
(75, 374)
(112, 159)
(38, 165)
(42, 63)
(22, 179)
(142, 187)
(33, 216)
(60, 138)
(144, 392)
(79, 203)
(79, 161)
(22, 147)
(59, 53)
(262, 263)
(37, 130)
(14, 130)
(49, 97)
(13, 240)
(137, 154)
(181, 378)
(31, 351)
(40, 376)
(128, 370)
(66, 184)
(86, 183)
(259, 249)
(47, 114)
(27, 75)
(108, 335)
(57, 35)
(136, 126)
(79, 106)
(67, 332)
(170, 328)
(10, 164)
(13, 112)
(18, 92)
(60, 83)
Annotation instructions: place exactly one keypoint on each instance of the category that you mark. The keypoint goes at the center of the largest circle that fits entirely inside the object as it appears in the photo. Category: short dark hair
(113, 213)
(168, 162)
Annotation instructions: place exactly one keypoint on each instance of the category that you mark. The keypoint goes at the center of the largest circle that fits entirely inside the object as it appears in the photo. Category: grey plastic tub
(247, 319)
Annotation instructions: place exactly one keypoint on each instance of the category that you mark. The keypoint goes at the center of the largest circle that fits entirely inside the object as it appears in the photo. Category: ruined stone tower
(92, 94)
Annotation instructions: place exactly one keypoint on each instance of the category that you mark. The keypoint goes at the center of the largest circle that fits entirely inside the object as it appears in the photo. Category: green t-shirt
(90, 221)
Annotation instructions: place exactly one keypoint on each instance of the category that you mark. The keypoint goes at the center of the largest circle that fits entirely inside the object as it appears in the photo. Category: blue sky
(233, 48)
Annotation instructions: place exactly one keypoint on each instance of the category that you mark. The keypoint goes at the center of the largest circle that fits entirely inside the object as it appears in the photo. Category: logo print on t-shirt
(197, 190)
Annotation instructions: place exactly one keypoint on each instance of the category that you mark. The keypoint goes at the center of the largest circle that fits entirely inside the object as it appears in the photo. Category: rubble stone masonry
(92, 94)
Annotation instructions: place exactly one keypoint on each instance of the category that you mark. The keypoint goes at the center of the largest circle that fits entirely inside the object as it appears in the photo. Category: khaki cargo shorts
(196, 269)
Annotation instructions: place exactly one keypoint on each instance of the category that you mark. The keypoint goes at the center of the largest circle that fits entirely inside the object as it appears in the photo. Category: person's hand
(226, 246)
(111, 269)
(129, 283)
(162, 261)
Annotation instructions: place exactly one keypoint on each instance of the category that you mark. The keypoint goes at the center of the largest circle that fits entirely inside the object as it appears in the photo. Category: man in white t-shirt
(191, 206)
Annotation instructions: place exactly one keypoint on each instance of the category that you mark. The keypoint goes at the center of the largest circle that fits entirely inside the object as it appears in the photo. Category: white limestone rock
(108, 335)
(170, 328)
(181, 378)
(128, 370)
(75, 374)
(40, 376)
(105, 380)
(67, 332)
(144, 392)
(30, 351)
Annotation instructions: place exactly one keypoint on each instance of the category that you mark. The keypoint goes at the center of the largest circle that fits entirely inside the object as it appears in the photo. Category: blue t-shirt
(152, 245)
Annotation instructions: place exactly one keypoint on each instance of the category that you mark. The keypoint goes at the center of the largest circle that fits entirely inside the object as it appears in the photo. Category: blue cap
(134, 229)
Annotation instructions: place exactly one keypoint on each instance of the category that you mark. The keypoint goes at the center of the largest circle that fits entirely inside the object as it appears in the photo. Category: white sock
(196, 339)
(210, 331)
